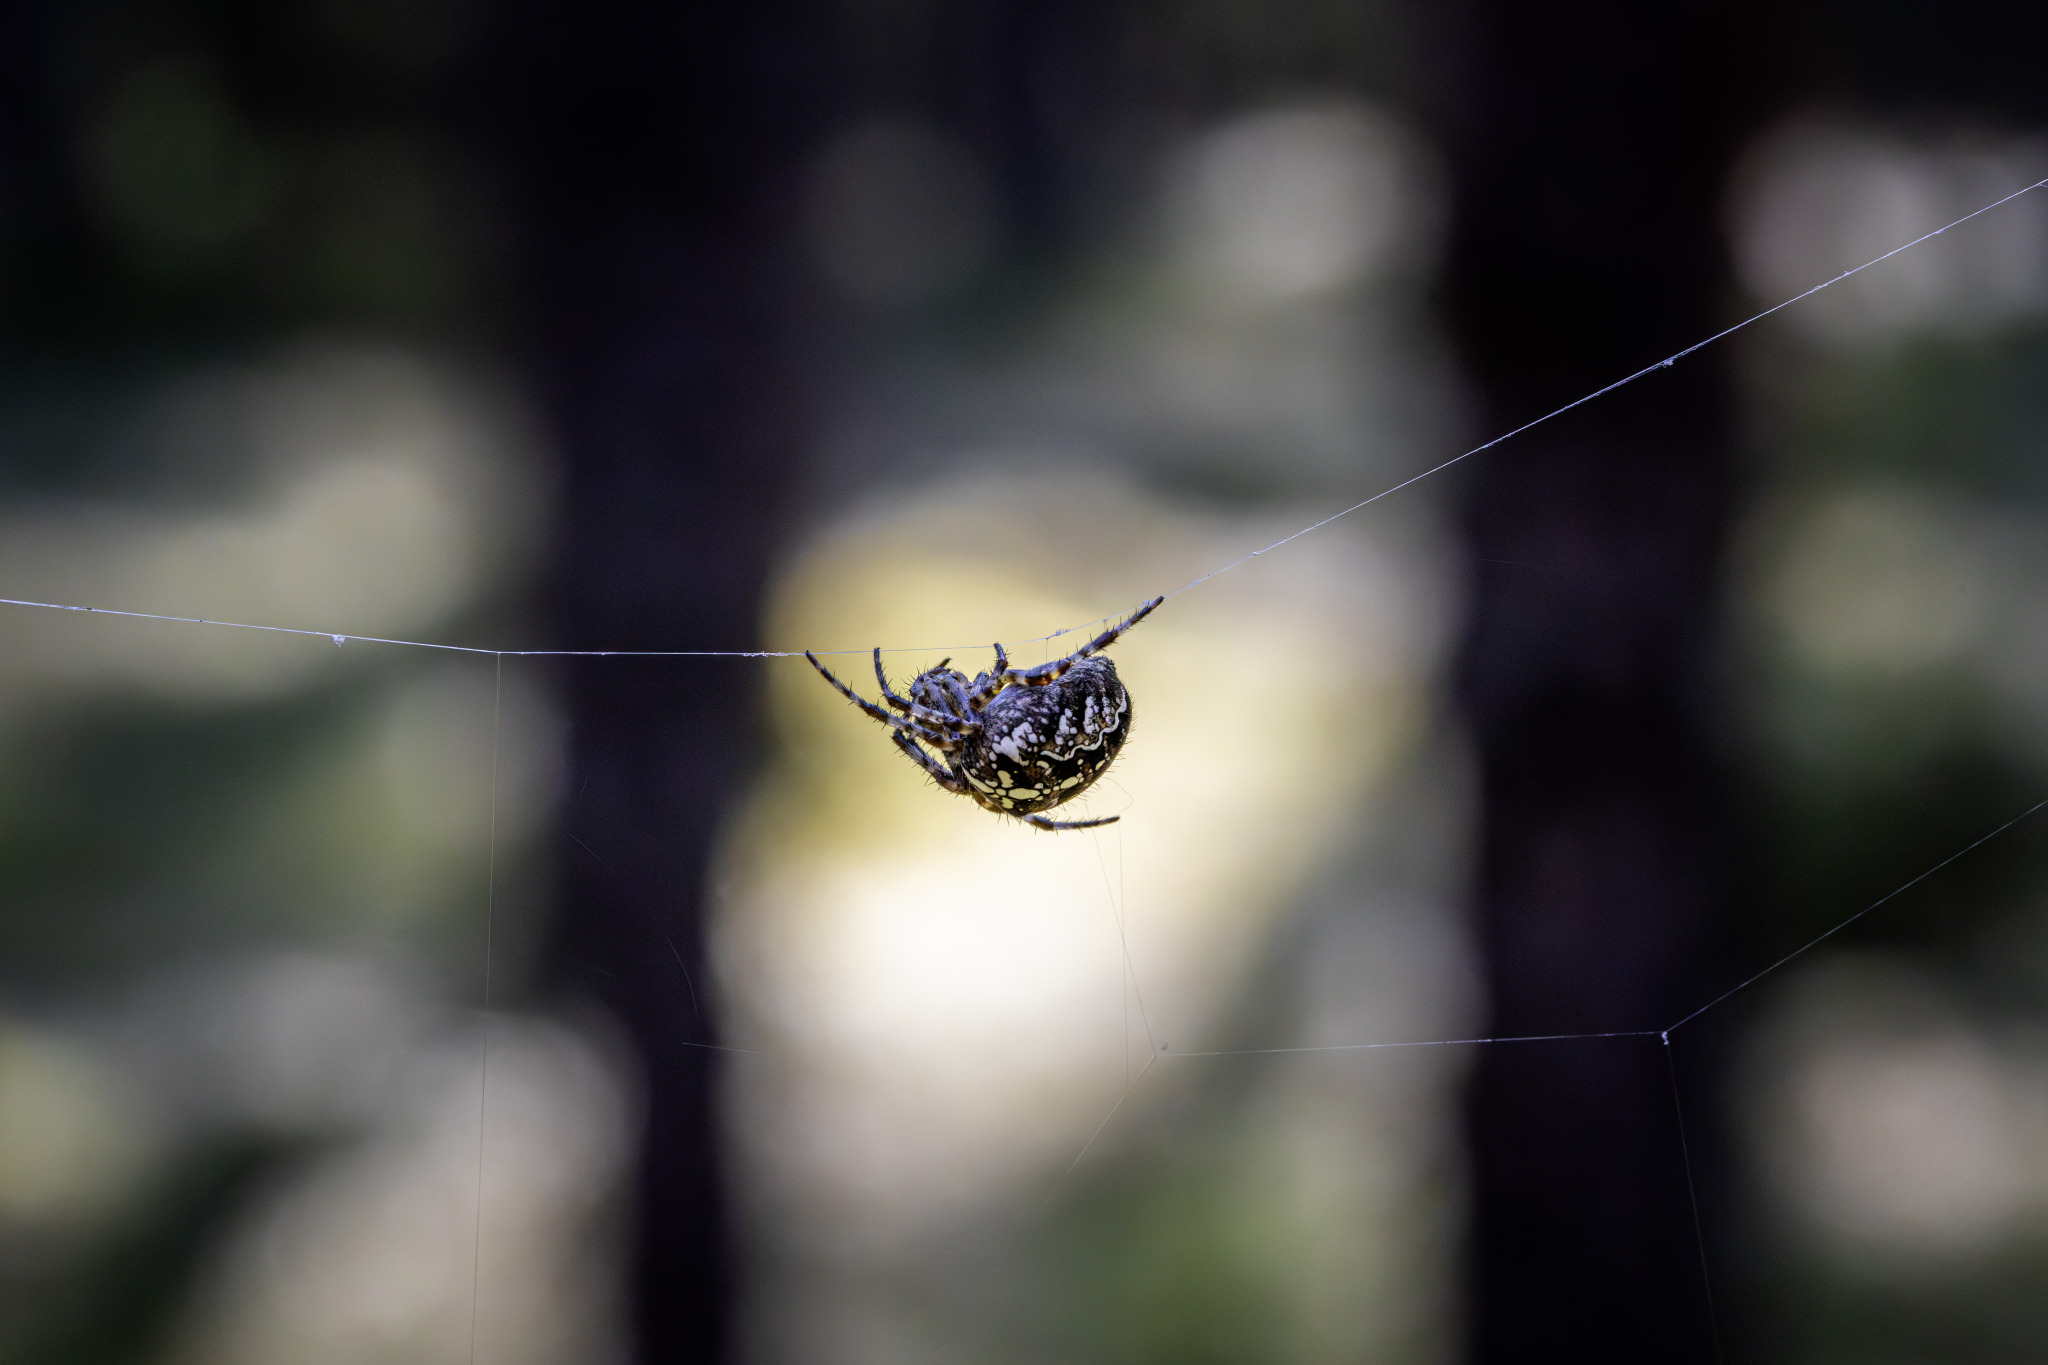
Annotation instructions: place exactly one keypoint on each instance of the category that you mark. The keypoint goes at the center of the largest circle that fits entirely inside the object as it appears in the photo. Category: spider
(1017, 740)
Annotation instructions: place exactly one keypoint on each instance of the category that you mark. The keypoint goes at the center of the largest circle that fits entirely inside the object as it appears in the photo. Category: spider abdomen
(1041, 746)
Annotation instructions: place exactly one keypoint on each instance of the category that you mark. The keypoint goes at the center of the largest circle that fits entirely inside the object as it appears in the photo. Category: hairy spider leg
(1048, 673)
(1041, 822)
(992, 681)
(888, 693)
(951, 721)
(949, 778)
(896, 723)
(963, 705)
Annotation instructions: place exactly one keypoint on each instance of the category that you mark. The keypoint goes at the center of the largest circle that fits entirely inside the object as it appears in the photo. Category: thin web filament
(343, 637)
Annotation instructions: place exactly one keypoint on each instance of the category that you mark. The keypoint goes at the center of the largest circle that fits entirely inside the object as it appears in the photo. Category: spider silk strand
(344, 637)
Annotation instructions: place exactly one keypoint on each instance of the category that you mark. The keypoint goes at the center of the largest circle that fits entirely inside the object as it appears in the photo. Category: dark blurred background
(362, 1002)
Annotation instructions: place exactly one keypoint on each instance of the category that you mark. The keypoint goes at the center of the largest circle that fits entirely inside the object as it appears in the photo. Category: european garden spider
(1017, 740)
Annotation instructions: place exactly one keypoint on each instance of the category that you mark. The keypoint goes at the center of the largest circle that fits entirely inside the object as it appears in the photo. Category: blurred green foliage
(185, 188)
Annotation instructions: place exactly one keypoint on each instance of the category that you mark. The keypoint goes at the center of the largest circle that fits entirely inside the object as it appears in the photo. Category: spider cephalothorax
(1017, 740)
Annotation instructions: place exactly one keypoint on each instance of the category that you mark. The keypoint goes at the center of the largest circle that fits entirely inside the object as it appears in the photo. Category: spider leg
(856, 698)
(888, 695)
(944, 721)
(1042, 823)
(947, 742)
(991, 683)
(896, 723)
(948, 778)
(963, 706)
(1046, 674)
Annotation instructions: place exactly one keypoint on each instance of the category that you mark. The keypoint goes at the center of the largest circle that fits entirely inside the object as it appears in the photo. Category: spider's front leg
(873, 711)
(1046, 674)
(888, 693)
(897, 724)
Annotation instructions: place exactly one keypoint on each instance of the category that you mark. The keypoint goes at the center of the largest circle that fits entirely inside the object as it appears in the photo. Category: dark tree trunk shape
(649, 152)
(1594, 144)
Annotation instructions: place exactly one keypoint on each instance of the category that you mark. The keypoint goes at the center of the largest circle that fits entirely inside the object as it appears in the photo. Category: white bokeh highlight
(1815, 198)
(1898, 1134)
(1290, 202)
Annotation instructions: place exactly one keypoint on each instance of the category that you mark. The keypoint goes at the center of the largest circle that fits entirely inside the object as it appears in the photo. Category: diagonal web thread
(1818, 939)
(1423, 1042)
(343, 637)
(1162, 1049)
(1663, 1033)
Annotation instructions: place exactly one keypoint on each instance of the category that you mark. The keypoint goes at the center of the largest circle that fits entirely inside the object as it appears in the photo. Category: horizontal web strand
(1426, 1042)
(342, 637)
(1663, 1033)
(1162, 1051)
